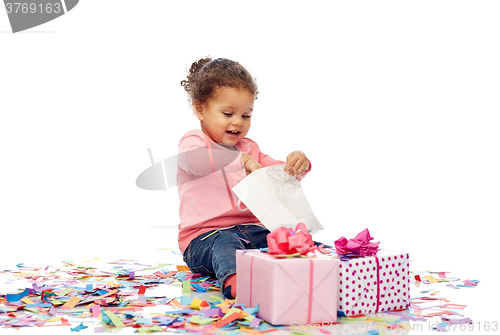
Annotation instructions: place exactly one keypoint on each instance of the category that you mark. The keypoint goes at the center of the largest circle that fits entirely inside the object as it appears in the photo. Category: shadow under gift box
(374, 284)
(288, 290)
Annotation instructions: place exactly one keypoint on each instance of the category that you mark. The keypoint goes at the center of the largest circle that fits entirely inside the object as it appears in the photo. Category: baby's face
(226, 117)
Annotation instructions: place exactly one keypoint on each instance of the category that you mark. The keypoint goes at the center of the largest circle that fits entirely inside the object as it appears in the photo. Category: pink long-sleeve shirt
(206, 174)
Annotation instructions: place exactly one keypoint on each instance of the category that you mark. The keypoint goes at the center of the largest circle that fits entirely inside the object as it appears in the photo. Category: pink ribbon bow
(360, 244)
(286, 241)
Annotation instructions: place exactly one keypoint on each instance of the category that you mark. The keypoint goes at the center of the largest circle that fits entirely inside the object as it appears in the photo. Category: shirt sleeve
(266, 160)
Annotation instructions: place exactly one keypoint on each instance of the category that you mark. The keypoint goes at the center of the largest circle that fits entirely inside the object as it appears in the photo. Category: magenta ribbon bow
(286, 241)
(360, 244)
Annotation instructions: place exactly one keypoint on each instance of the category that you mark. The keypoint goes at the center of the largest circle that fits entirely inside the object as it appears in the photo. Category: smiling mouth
(233, 132)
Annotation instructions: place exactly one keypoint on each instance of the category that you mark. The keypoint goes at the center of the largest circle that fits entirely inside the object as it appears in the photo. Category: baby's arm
(249, 163)
(297, 164)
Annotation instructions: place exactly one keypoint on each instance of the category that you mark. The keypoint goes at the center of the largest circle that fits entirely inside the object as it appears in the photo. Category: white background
(396, 104)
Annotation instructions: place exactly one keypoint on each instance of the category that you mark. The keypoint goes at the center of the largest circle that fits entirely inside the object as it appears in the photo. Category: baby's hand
(296, 163)
(249, 163)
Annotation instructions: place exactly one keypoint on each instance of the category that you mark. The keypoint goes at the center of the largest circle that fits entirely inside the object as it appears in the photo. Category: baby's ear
(198, 110)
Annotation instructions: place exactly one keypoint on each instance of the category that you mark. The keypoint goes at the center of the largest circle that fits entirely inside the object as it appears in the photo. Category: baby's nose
(236, 121)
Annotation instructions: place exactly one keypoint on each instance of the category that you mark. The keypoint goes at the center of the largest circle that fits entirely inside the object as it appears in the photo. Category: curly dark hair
(206, 75)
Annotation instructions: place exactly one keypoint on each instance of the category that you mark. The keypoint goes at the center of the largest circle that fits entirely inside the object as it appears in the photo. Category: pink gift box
(374, 284)
(288, 291)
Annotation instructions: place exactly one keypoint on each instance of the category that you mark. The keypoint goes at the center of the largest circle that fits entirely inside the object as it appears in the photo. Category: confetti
(78, 328)
(112, 296)
(18, 296)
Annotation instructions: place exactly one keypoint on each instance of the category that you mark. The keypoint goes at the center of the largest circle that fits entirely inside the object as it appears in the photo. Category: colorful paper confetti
(120, 294)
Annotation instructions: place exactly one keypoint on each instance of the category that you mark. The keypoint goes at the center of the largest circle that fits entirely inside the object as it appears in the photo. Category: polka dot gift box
(374, 284)
(371, 280)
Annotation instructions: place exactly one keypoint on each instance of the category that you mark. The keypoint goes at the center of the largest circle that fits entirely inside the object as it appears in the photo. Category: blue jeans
(215, 255)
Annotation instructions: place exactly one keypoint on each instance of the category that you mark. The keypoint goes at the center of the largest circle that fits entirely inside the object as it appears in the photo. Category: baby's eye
(228, 114)
(246, 116)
